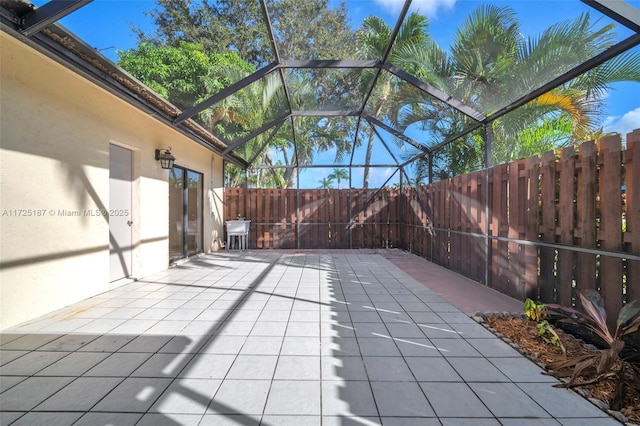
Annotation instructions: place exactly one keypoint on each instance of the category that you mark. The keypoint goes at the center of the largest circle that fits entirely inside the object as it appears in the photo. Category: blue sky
(106, 26)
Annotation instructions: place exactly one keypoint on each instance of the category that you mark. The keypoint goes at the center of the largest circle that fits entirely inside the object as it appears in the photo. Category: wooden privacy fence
(317, 218)
(538, 227)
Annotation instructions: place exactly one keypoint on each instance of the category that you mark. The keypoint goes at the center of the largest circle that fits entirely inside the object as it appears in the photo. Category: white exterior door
(120, 217)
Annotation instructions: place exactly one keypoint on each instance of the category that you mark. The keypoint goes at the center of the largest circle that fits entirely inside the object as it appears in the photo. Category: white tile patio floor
(279, 339)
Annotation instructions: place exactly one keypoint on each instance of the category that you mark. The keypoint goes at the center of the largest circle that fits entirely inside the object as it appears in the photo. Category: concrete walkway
(266, 338)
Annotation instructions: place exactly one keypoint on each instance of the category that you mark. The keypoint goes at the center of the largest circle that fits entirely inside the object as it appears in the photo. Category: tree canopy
(200, 47)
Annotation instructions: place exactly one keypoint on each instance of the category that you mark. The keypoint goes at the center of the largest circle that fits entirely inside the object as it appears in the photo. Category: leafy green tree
(303, 29)
(184, 74)
(219, 26)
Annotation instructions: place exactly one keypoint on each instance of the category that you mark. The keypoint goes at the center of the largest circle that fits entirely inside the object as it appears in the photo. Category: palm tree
(249, 108)
(373, 38)
(492, 64)
(326, 182)
(339, 174)
(314, 134)
(263, 101)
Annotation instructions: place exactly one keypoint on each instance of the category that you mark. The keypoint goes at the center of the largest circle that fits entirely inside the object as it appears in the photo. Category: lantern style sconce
(165, 158)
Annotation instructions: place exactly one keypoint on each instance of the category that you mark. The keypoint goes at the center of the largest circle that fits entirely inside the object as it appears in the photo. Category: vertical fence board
(365, 203)
(548, 227)
(481, 252)
(359, 214)
(373, 217)
(304, 209)
(425, 204)
(236, 197)
(503, 246)
(321, 227)
(370, 221)
(432, 197)
(343, 212)
(442, 236)
(470, 225)
(292, 214)
(455, 192)
(531, 228)
(331, 216)
(281, 217)
(394, 232)
(565, 225)
(500, 228)
(513, 223)
(441, 246)
(493, 221)
(471, 218)
(450, 209)
(323, 220)
(277, 216)
(586, 216)
(317, 211)
(464, 226)
(415, 211)
(632, 212)
(610, 232)
(259, 214)
(354, 225)
(252, 210)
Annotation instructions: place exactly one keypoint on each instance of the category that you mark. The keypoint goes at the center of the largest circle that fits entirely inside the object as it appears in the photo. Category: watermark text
(62, 212)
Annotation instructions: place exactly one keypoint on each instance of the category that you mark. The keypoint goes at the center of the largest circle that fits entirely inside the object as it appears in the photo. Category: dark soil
(525, 334)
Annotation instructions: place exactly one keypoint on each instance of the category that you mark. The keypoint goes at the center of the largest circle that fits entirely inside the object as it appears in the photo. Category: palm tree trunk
(290, 174)
(276, 177)
(367, 159)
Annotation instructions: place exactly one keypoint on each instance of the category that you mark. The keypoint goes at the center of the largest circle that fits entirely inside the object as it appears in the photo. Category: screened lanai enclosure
(453, 130)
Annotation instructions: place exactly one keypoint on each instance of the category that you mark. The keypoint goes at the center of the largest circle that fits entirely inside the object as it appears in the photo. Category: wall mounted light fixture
(166, 158)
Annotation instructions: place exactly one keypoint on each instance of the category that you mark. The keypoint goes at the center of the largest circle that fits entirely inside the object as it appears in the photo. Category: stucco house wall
(55, 132)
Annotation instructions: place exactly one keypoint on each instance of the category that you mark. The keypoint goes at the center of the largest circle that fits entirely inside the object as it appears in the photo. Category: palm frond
(596, 82)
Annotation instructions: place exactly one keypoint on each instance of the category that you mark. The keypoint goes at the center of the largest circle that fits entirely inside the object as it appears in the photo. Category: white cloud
(378, 176)
(625, 124)
(609, 121)
(428, 8)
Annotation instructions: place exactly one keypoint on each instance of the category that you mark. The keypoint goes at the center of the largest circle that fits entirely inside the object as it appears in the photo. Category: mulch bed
(524, 335)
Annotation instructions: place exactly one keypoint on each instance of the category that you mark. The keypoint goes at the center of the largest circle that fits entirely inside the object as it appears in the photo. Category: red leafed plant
(604, 364)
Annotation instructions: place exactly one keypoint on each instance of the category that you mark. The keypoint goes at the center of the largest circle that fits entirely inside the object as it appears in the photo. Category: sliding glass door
(185, 212)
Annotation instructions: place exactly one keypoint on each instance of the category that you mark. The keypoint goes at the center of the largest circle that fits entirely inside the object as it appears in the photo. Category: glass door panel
(185, 212)
(176, 213)
(194, 212)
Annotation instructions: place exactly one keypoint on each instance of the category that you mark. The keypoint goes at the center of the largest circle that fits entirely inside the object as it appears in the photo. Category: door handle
(129, 223)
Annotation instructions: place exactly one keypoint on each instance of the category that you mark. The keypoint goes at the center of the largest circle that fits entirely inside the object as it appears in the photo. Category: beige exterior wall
(56, 128)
